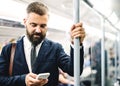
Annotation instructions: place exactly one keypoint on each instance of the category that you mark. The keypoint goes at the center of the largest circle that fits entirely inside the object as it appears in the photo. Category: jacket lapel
(20, 60)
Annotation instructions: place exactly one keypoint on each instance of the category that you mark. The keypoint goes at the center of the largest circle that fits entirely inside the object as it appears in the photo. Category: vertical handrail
(119, 52)
(115, 56)
(76, 45)
(103, 54)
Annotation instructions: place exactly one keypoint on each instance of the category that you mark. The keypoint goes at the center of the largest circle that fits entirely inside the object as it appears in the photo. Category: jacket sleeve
(81, 57)
(66, 62)
(5, 79)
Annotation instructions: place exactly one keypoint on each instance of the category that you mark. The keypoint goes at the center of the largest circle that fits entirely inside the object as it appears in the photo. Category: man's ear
(24, 21)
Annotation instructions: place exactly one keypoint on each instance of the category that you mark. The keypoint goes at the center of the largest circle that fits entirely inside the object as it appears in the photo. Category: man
(49, 55)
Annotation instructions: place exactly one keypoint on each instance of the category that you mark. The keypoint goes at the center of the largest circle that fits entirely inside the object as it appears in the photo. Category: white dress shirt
(27, 50)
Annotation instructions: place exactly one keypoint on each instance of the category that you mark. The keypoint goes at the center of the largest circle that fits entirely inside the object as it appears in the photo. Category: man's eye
(43, 25)
(33, 25)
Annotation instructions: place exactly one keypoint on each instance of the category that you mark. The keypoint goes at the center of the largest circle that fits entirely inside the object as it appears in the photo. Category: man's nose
(38, 29)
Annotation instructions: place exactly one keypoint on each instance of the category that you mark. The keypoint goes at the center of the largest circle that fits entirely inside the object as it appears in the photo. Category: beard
(35, 38)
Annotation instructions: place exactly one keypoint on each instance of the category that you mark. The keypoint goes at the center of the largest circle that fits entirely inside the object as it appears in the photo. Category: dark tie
(33, 55)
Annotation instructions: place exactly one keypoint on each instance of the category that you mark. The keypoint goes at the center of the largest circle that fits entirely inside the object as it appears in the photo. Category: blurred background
(101, 20)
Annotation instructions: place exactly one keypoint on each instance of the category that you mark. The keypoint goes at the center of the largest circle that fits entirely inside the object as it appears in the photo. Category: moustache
(39, 34)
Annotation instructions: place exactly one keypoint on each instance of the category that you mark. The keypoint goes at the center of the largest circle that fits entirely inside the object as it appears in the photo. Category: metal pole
(103, 54)
(119, 52)
(115, 56)
(76, 46)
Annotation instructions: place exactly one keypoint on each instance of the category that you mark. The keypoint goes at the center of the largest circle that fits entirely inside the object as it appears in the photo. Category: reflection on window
(10, 23)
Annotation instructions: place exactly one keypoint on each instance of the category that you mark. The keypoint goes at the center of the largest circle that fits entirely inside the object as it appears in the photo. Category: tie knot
(33, 46)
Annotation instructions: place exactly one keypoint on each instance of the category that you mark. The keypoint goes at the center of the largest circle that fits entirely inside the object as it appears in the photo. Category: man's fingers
(41, 82)
(79, 25)
(78, 32)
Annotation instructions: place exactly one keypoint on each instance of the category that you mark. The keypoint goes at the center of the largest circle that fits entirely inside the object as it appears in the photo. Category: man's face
(36, 27)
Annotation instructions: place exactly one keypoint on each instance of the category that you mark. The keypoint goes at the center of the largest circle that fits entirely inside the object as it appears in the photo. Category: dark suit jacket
(51, 56)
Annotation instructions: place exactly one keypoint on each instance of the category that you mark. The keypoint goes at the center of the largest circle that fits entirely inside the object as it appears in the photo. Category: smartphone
(43, 76)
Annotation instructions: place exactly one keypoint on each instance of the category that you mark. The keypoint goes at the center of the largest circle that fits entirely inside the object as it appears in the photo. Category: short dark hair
(38, 8)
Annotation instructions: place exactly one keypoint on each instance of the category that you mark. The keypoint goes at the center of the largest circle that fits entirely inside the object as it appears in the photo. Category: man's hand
(77, 30)
(31, 80)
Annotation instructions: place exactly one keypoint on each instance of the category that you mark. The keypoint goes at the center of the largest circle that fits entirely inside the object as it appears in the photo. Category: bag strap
(12, 58)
